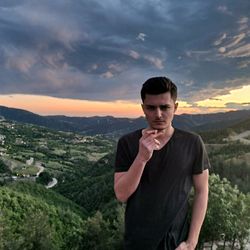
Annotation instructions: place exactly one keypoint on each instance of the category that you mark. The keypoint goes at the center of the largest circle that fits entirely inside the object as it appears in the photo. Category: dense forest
(80, 211)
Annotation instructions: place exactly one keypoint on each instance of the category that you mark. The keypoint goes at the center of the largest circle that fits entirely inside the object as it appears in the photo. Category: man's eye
(151, 107)
(161, 107)
(164, 107)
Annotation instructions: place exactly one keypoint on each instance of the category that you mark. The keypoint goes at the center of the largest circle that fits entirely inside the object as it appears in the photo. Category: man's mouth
(158, 121)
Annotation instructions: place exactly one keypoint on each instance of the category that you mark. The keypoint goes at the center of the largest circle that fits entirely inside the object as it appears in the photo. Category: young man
(155, 169)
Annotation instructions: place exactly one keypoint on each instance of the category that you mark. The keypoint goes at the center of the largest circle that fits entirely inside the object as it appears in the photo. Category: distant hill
(219, 135)
(215, 121)
(109, 125)
(24, 116)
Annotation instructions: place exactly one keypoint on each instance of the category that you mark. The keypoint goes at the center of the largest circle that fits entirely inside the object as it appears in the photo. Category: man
(155, 169)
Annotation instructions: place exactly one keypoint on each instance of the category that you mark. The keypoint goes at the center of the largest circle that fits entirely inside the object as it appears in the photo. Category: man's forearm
(126, 184)
(198, 215)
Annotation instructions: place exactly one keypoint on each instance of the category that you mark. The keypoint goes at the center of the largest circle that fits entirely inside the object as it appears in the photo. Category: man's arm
(200, 182)
(125, 183)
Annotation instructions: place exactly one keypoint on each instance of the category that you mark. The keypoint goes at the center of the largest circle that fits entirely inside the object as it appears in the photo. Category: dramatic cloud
(220, 40)
(134, 54)
(141, 36)
(105, 50)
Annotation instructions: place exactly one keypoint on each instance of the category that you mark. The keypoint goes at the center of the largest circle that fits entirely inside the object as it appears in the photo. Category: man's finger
(157, 142)
(147, 132)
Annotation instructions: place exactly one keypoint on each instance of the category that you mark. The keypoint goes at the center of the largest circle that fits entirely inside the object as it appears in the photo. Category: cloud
(94, 66)
(141, 36)
(46, 23)
(187, 83)
(115, 67)
(215, 92)
(220, 40)
(242, 51)
(243, 64)
(237, 45)
(107, 75)
(222, 50)
(243, 23)
(215, 99)
(134, 54)
(106, 49)
(231, 46)
(236, 40)
(157, 62)
(235, 105)
(224, 9)
(199, 55)
(19, 60)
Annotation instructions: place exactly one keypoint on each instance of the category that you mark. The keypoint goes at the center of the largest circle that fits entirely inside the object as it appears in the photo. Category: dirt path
(52, 183)
(40, 167)
(241, 137)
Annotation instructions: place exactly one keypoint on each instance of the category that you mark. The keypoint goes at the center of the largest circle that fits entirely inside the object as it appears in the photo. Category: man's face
(159, 110)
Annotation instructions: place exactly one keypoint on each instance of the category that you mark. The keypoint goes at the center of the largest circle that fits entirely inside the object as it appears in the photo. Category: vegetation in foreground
(81, 211)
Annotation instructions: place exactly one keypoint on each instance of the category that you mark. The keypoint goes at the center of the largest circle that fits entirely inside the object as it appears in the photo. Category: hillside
(25, 147)
(93, 190)
(81, 211)
(33, 217)
(229, 153)
(112, 126)
(29, 211)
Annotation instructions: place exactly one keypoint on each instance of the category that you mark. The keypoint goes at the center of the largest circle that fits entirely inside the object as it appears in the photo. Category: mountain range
(108, 125)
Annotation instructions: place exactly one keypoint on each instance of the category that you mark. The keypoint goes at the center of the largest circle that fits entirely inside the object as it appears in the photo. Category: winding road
(52, 183)
(41, 169)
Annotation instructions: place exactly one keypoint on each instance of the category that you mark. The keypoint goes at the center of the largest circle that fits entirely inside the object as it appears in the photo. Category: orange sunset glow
(45, 105)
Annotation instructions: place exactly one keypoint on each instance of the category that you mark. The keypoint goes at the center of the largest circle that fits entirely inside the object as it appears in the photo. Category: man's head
(158, 85)
(159, 96)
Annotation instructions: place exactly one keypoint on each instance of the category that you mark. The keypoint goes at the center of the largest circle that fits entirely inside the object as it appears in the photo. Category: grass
(58, 152)
(95, 156)
(26, 170)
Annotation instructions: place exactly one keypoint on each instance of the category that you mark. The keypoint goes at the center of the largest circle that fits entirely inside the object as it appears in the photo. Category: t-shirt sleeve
(201, 161)
(123, 159)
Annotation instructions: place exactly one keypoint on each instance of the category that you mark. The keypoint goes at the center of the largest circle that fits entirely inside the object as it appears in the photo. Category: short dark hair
(158, 85)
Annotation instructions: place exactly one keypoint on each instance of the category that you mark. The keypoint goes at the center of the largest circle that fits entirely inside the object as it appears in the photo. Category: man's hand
(148, 143)
(185, 246)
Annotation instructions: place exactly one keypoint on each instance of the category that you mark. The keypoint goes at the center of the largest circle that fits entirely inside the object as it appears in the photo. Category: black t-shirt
(158, 208)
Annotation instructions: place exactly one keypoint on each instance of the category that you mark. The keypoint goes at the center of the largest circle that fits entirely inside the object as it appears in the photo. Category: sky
(90, 57)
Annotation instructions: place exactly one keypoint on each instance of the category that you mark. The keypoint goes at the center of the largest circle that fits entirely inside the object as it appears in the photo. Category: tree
(227, 215)
(118, 224)
(97, 233)
(37, 233)
(3, 167)
(44, 178)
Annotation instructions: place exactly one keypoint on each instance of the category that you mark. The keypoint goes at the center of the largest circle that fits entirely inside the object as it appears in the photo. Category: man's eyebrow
(161, 105)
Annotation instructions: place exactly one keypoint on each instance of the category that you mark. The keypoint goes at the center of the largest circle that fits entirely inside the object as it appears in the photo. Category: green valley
(79, 210)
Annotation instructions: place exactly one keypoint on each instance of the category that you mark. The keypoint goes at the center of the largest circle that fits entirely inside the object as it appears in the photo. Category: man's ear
(175, 106)
(142, 106)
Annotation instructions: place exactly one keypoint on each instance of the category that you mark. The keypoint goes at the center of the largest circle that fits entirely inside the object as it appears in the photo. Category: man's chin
(159, 128)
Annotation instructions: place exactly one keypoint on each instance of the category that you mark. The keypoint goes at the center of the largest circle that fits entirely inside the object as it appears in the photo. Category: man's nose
(158, 112)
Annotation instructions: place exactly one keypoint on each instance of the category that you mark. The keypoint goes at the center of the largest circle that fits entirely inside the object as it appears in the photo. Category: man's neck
(164, 136)
(165, 133)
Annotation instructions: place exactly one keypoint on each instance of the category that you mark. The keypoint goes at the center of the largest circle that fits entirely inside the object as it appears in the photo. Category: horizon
(109, 115)
(75, 58)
